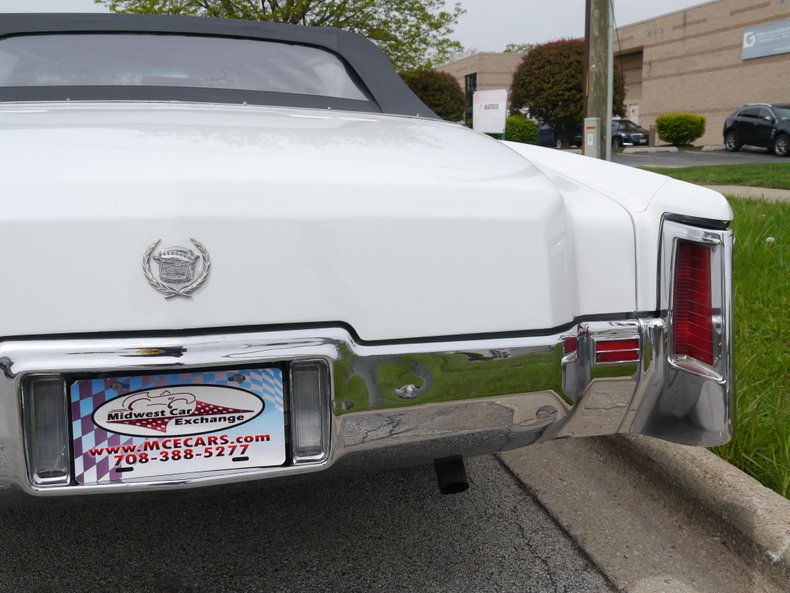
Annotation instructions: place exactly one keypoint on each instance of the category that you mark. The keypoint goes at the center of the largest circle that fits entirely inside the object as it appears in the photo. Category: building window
(470, 86)
(470, 83)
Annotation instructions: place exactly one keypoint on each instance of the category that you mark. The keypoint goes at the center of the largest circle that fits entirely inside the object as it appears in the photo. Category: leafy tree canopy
(549, 83)
(518, 48)
(412, 33)
(438, 90)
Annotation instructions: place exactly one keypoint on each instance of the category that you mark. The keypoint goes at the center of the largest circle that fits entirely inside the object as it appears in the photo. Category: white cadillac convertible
(237, 251)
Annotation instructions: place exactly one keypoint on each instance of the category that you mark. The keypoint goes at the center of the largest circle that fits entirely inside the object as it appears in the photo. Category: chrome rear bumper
(407, 402)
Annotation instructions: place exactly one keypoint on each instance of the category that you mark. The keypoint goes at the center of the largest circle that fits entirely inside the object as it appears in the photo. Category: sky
(488, 25)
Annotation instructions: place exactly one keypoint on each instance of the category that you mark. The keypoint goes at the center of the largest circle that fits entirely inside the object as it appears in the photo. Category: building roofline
(483, 53)
(661, 16)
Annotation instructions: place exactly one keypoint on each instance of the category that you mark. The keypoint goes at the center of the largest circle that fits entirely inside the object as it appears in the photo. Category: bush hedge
(520, 129)
(680, 129)
(438, 90)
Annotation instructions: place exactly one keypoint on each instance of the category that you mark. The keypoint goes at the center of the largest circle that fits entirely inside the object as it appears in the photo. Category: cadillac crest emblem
(177, 268)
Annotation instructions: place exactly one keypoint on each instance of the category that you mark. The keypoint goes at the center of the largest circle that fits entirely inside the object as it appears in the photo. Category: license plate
(133, 427)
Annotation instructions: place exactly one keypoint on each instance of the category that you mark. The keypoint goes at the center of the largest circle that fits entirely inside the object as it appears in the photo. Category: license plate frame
(137, 427)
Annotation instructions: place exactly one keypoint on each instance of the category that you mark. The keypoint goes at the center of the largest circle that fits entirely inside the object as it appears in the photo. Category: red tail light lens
(617, 350)
(692, 302)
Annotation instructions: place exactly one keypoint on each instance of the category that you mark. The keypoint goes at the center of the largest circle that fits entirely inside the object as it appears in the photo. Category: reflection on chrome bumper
(405, 403)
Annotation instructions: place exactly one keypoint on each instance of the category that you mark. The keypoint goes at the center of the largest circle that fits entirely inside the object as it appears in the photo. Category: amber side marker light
(692, 302)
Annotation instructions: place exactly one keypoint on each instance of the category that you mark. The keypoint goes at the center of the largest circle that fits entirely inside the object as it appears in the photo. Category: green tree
(549, 83)
(518, 48)
(438, 90)
(412, 33)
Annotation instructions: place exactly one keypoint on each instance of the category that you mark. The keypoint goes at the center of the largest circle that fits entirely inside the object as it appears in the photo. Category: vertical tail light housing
(46, 425)
(309, 405)
(696, 295)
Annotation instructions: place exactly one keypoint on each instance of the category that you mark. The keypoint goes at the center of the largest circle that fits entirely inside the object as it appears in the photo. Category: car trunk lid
(397, 227)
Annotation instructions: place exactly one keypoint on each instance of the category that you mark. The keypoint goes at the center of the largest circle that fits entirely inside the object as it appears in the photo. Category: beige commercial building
(484, 72)
(708, 59)
(698, 60)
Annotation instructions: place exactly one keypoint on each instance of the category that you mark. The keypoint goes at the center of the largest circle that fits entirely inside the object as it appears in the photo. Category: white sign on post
(489, 110)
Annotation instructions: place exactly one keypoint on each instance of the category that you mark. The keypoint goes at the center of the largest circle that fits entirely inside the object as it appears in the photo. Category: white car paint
(646, 196)
(399, 227)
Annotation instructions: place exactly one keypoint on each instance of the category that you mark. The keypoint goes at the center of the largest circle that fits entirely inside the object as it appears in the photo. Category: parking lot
(388, 532)
(695, 158)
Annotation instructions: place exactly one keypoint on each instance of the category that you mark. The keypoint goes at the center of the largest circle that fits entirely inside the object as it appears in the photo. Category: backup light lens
(46, 430)
(692, 302)
(309, 398)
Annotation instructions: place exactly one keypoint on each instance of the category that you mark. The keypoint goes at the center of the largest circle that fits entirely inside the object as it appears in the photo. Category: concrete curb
(650, 149)
(750, 513)
(747, 191)
(656, 517)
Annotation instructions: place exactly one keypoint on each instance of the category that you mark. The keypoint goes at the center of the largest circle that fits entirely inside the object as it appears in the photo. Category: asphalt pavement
(695, 158)
(387, 532)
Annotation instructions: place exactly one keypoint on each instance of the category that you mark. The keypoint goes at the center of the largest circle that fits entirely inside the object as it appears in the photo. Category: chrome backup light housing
(310, 410)
(47, 436)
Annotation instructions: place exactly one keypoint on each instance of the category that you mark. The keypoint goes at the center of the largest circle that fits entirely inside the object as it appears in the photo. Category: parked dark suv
(760, 124)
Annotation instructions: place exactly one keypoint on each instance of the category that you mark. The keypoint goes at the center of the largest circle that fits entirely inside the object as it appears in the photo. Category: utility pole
(598, 80)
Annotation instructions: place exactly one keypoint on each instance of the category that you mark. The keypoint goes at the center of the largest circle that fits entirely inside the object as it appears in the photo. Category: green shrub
(438, 90)
(520, 129)
(680, 129)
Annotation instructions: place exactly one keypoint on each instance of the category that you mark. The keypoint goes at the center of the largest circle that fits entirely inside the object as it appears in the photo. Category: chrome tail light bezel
(719, 242)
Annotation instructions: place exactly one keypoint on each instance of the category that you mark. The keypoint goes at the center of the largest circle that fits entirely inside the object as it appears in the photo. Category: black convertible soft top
(388, 92)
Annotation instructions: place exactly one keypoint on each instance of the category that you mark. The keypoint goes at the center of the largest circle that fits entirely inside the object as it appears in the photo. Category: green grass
(761, 446)
(775, 175)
